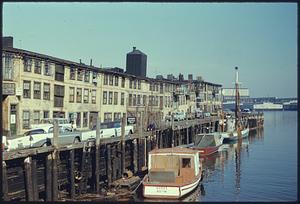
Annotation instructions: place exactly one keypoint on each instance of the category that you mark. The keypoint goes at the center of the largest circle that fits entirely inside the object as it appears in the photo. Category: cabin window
(186, 163)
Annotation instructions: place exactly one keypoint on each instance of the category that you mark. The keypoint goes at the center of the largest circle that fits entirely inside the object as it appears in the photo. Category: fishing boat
(172, 173)
(208, 143)
(235, 128)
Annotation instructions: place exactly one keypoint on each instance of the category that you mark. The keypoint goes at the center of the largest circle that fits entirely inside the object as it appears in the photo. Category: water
(262, 167)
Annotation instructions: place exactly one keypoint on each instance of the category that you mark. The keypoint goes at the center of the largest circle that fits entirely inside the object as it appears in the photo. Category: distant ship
(291, 105)
(268, 106)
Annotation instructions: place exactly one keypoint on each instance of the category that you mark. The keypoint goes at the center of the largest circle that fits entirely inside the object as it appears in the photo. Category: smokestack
(134, 48)
(91, 63)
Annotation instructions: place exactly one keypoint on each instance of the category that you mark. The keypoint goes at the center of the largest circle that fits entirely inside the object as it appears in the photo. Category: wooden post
(72, 170)
(173, 136)
(114, 163)
(97, 156)
(4, 181)
(108, 165)
(135, 155)
(187, 136)
(54, 162)
(34, 181)
(28, 177)
(48, 180)
(123, 143)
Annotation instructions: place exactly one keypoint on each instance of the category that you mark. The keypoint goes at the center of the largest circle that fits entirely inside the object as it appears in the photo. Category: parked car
(112, 129)
(168, 117)
(179, 116)
(61, 122)
(206, 114)
(199, 114)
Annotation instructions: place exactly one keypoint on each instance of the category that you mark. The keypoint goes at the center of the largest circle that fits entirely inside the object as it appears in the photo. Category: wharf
(74, 171)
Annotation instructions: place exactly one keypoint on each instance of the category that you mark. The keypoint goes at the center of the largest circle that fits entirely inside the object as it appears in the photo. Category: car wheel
(76, 140)
(45, 144)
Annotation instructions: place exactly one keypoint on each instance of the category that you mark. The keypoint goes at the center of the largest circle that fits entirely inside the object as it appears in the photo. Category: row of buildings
(37, 86)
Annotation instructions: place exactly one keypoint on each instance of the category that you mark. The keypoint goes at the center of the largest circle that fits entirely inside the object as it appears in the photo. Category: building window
(94, 96)
(59, 72)
(115, 98)
(86, 96)
(26, 89)
(36, 117)
(37, 90)
(144, 100)
(139, 84)
(105, 81)
(37, 66)
(85, 119)
(72, 73)
(110, 97)
(104, 97)
(134, 100)
(46, 91)
(59, 92)
(130, 84)
(123, 82)
(134, 84)
(107, 117)
(27, 64)
(78, 120)
(116, 81)
(161, 88)
(117, 116)
(26, 119)
(80, 74)
(47, 69)
(87, 76)
(122, 98)
(8, 67)
(72, 95)
(78, 95)
(138, 100)
(130, 100)
(111, 79)
(46, 114)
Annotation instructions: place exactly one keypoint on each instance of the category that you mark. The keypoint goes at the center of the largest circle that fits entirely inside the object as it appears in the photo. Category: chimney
(91, 63)
(8, 42)
(134, 48)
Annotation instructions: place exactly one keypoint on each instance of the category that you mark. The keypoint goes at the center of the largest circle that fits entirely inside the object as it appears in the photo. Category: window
(85, 119)
(87, 76)
(36, 117)
(104, 97)
(115, 98)
(86, 96)
(78, 120)
(111, 79)
(26, 89)
(134, 100)
(105, 81)
(8, 67)
(37, 90)
(138, 100)
(123, 82)
(144, 100)
(186, 163)
(78, 95)
(161, 89)
(59, 72)
(116, 81)
(117, 116)
(130, 100)
(37, 66)
(47, 69)
(156, 101)
(27, 64)
(72, 95)
(72, 73)
(46, 114)
(110, 97)
(139, 84)
(93, 96)
(134, 84)
(79, 74)
(46, 91)
(122, 98)
(107, 117)
(130, 84)
(94, 75)
(26, 119)
(59, 92)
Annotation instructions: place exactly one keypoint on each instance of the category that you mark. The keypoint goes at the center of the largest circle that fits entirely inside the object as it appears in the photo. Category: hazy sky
(205, 39)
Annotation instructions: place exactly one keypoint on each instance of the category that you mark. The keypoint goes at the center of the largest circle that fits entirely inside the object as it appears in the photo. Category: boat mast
(237, 103)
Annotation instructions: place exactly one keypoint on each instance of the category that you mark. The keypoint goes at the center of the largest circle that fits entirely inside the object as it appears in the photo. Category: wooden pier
(67, 172)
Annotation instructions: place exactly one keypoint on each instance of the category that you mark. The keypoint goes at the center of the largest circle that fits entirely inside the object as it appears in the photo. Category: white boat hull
(234, 135)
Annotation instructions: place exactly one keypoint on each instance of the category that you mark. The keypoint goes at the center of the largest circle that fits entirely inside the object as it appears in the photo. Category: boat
(172, 173)
(235, 128)
(208, 143)
(268, 106)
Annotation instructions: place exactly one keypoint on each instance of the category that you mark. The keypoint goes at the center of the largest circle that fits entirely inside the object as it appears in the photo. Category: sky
(203, 39)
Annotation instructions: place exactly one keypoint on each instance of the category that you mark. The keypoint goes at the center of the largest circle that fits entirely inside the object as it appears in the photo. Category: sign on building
(131, 120)
(8, 89)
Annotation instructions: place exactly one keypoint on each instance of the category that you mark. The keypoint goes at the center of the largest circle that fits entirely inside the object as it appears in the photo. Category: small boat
(172, 173)
(208, 143)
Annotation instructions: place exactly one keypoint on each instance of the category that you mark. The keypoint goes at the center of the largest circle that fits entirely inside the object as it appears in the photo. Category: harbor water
(262, 167)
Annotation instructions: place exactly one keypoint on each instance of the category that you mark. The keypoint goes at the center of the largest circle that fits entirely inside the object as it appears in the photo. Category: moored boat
(172, 173)
(208, 143)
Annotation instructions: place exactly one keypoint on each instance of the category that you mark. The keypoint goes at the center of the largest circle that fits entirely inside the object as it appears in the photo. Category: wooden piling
(34, 180)
(72, 176)
(114, 163)
(55, 156)
(48, 180)
(135, 156)
(28, 177)
(108, 165)
(123, 144)
(97, 156)
(4, 182)
(187, 136)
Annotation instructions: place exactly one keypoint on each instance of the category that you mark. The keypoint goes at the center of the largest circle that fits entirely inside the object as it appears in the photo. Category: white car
(46, 121)
(179, 116)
